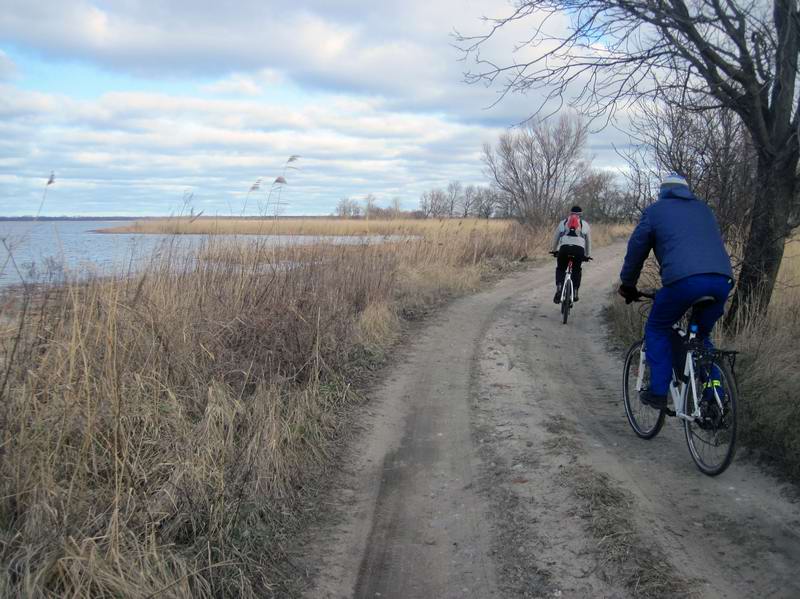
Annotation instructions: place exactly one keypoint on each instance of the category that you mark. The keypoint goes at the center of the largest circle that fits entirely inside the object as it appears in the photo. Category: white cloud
(369, 93)
(238, 85)
(398, 49)
(126, 143)
(8, 70)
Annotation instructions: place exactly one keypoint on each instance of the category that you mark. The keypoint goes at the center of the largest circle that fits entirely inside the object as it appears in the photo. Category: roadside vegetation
(162, 430)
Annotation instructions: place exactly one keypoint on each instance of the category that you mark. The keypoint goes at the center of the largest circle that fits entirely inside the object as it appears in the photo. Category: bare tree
(435, 202)
(741, 55)
(468, 200)
(712, 150)
(486, 202)
(370, 203)
(425, 204)
(397, 207)
(602, 198)
(538, 166)
(454, 189)
(347, 208)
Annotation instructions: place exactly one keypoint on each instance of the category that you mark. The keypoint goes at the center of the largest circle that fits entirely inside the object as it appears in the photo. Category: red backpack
(573, 225)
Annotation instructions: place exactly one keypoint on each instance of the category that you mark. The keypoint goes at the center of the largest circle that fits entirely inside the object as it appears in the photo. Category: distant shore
(28, 219)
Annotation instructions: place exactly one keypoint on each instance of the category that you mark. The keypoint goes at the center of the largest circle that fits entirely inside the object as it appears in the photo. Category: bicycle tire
(645, 421)
(566, 302)
(694, 432)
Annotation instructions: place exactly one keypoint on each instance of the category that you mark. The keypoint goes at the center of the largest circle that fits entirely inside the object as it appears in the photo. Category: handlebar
(585, 259)
(650, 295)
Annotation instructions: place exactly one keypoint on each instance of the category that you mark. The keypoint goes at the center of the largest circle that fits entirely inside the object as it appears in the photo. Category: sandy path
(470, 477)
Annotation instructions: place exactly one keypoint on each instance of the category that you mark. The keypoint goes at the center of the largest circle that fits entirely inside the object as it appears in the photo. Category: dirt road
(497, 462)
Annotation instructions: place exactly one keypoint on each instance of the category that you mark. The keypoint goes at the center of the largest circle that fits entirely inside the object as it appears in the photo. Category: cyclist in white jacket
(572, 240)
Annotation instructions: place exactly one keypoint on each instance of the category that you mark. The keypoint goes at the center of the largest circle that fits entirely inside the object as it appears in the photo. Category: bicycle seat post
(698, 306)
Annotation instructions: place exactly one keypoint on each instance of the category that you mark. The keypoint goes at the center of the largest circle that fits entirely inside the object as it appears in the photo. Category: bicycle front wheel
(712, 436)
(645, 421)
(566, 300)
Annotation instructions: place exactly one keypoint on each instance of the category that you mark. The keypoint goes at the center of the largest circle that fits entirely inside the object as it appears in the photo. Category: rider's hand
(588, 259)
(629, 292)
(554, 254)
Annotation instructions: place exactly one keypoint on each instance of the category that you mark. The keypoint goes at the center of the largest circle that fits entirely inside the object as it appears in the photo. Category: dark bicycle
(703, 392)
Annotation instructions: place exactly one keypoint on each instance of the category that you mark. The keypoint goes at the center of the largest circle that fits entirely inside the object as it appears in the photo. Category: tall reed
(159, 428)
(309, 226)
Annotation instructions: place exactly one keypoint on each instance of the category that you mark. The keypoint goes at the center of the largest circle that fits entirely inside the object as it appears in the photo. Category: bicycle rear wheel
(645, 421)
(566, 300)
(712, 440)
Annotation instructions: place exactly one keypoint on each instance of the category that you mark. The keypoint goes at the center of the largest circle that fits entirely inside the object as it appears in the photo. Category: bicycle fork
(567, 277)
(564, 289)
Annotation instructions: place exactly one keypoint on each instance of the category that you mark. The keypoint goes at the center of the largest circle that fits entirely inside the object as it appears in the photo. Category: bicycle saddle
(703, 302)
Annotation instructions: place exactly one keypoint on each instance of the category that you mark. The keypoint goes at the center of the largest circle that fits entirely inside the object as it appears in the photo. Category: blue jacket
(685, 236)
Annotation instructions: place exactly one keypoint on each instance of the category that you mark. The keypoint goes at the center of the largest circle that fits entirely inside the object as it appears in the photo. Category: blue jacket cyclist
(686, 239)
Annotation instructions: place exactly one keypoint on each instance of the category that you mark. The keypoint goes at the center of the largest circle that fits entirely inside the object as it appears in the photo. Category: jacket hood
(680, 192)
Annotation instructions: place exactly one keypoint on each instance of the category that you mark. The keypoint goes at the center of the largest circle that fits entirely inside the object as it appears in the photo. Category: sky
(137, 105)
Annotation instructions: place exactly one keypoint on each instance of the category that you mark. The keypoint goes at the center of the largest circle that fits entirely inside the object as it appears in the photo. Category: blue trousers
(671, 303)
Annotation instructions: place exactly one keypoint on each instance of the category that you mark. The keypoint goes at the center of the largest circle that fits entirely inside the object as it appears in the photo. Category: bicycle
(709, 417)
(567, 288)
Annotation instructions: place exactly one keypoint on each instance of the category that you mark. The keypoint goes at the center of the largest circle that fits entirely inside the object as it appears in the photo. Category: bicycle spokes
(711, 432)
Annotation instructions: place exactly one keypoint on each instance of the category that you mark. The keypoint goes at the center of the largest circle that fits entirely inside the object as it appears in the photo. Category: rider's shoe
(575, 297)
(658, 402)
(708, 389)
(557, 296)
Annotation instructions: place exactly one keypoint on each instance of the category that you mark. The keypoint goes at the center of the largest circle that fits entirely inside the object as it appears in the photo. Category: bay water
(34, 252)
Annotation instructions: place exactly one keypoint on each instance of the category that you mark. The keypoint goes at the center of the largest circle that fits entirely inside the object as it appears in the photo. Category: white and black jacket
(583, 237)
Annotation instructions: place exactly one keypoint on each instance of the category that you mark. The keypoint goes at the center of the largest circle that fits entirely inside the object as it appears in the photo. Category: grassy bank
(310, 226)
(160, 431)
(766, 369)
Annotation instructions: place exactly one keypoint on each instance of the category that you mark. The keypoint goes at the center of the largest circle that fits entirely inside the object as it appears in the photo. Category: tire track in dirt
(457, 487)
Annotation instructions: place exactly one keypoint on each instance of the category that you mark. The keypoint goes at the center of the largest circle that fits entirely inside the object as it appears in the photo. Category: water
(56, 250)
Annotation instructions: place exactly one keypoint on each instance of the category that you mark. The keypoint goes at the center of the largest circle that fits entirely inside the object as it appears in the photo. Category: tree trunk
(769, 230)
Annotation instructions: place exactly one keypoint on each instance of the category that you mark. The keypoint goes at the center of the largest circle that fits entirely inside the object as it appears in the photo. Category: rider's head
(673, 179)
(576, 210)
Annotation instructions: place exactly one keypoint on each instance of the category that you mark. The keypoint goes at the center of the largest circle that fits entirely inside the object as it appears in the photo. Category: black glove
(588, 259)
(629, 292)
(554, 254)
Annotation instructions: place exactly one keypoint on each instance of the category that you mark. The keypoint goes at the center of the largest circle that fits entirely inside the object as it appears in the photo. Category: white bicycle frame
(679, 389)
(568, 277)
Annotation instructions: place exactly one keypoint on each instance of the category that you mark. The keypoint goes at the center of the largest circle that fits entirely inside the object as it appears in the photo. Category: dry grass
(768, 375)
(608, 510)
(312, 226)
(158, 431)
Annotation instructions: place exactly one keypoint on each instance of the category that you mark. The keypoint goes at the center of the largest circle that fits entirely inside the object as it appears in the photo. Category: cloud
(137, 148)
(8, 70)
(237, 85)
(369, 93)
(396, 49)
